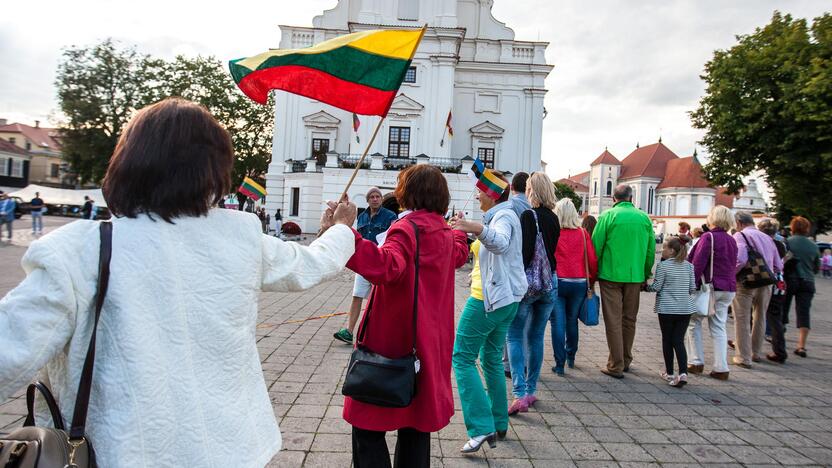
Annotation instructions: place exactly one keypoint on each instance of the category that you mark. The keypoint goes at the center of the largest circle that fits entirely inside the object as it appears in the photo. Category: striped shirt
(675, 286)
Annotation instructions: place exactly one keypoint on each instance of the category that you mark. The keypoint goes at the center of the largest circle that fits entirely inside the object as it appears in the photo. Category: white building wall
(493, 84)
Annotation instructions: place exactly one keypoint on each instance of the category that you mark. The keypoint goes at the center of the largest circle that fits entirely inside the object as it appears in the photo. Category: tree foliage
(101, 87)
(768, 107)
(562, 190)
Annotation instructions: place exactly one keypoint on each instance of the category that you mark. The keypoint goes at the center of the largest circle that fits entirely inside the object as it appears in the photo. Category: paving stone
(333, 443)
(586, 451)
(328, 459)
(665, 453)
(545, 450)
(707, 454)
(648, 436)
(609, 434)
(785, 455)
(628, 452)
(287, 459)
(747, 455)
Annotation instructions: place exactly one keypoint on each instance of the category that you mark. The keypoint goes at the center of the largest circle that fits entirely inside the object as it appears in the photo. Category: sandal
(800, 352)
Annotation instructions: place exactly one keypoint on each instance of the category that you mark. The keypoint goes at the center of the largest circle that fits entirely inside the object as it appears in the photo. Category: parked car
(823, 246)
(20, 207)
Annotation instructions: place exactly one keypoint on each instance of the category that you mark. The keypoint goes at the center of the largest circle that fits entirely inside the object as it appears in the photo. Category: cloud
(625, 71)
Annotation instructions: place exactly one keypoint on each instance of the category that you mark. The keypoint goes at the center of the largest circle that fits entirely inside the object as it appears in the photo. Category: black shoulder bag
(45, 447)
(756, 272)
(380, 380)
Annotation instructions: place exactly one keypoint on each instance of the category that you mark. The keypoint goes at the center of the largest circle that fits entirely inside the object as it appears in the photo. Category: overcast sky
(625, 71)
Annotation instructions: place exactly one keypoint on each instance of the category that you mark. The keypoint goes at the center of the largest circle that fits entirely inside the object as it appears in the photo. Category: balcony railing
(348, 161)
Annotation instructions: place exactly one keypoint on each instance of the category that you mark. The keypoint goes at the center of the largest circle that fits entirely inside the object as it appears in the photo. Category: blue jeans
(525, 341)
(37, 221)
(571, 297)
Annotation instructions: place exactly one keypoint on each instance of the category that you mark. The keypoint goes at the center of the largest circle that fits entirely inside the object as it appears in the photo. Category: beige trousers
(619, 303)
(750, 304)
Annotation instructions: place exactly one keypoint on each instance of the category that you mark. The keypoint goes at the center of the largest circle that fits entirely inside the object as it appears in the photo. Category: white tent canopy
(57, 196)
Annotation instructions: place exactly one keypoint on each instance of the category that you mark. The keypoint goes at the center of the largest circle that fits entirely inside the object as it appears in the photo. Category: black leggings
(369, 449)
(674, 327)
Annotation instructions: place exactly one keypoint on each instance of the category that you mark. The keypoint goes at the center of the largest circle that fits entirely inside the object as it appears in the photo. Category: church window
(650, 195)
(609, 188)
(28, 146)
(410, 76)
(295, 209)
(399, 142)
(320, 146)
(486, 155)
(408, 10)
(12, 140)
(595, 187)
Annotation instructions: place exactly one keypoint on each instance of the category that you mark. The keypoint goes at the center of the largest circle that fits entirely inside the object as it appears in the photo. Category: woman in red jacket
(574, 242)
(423, 192)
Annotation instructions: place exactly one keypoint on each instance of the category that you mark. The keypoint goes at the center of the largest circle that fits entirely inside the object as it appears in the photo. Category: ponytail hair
(678, 245)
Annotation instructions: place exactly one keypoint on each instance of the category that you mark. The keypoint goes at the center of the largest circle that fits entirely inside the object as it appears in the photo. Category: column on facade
(533, 129)
(439, 101)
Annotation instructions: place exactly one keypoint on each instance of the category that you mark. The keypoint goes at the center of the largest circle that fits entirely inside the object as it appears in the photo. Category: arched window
(609, 188)
(650, 200)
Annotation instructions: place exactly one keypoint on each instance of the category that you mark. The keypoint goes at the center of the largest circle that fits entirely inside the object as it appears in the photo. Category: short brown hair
(173, 159)
(800, 226)
(423, 187)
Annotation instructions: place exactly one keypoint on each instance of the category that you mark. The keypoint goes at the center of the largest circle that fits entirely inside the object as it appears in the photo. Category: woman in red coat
(390, 267)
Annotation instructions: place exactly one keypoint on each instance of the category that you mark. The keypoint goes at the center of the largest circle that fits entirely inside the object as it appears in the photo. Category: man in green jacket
(626, 249)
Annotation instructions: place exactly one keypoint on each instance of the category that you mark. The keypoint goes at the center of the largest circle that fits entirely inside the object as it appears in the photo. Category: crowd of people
(177, 354)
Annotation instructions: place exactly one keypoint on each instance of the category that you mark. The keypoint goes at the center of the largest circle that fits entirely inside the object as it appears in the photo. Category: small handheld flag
(252, 189)
(448, 129)
(486, 181)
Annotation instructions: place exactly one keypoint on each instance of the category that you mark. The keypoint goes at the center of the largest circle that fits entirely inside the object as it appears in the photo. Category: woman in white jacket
(498, 283)
(177, 378)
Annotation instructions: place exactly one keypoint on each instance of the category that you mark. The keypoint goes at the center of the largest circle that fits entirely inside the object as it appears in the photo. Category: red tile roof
(40, 137)
(7, 147)
(683, 172)
(606, 158)
(576, 186)
(723, 198)
(582, 178)
(647, 161)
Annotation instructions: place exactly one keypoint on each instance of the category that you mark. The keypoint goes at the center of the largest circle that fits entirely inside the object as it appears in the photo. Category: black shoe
(508, 374)
(800, 352)
(612, 374)
(775, 358)
(502, 435)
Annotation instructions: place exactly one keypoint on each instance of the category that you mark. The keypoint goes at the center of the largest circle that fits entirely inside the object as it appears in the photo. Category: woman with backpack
(540, 229)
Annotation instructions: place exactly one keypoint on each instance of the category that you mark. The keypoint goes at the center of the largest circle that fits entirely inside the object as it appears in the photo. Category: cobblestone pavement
(770, 415)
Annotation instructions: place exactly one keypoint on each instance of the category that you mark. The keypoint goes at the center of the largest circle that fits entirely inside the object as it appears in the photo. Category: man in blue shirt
(371, 222)
(7, 206)
(519, 203)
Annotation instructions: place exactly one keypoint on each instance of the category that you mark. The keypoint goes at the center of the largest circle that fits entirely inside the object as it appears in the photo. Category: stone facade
(468, 64)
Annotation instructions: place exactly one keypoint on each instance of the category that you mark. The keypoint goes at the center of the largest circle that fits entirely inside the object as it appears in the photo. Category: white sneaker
(667, 377)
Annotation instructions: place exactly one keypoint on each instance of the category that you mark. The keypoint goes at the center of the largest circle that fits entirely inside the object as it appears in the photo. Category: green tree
(206, 80)
(562, 190)
(768, 107)
(101, 87)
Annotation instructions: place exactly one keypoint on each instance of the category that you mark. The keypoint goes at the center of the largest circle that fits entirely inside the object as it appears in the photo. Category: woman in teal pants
(498, 283)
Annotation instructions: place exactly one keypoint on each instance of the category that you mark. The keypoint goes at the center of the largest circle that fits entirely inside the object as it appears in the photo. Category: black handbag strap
(82, 399)
(366, 323)
(57, 419)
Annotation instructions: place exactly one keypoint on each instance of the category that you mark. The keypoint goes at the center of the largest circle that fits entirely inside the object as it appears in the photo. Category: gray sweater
(675, 285)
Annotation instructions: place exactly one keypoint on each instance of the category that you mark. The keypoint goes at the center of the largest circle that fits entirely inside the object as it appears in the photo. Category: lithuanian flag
(486, 181)
(252, 189)
(358, 72)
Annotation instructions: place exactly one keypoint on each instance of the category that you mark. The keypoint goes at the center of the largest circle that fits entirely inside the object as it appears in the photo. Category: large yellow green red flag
(358, 72)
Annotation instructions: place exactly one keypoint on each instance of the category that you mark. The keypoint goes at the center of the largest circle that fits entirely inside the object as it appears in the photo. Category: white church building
(468, 64)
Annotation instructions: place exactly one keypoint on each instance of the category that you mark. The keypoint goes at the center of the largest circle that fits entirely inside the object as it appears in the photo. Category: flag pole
(378, 127)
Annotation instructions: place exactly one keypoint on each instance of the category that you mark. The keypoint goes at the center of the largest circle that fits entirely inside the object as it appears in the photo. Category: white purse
(703, 296)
